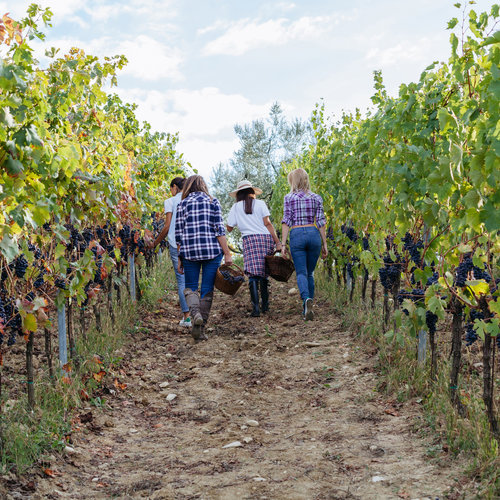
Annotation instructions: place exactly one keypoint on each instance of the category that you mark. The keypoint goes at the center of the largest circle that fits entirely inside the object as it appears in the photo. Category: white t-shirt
(171, 206)
(249, 223)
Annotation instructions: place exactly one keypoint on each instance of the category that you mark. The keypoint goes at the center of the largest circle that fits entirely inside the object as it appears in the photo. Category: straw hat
(244, 184)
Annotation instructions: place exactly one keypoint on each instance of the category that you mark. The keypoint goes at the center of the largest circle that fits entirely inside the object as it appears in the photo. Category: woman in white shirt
(251, 216)
(169, 231)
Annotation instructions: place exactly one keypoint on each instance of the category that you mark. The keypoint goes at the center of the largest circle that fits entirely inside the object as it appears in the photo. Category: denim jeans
(305, 247)
(208, 270)
(180, 278)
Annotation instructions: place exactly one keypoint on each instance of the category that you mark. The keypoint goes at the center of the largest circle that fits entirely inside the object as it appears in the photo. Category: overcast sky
(198, 67)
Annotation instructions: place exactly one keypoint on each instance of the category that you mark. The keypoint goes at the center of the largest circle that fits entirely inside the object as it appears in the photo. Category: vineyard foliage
(411, 188)
(73, 158)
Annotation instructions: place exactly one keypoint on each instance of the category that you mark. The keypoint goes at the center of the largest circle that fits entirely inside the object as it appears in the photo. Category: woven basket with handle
(278, 267)
(224, 285)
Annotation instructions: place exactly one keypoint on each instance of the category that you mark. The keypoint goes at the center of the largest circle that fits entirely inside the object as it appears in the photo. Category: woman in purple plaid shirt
(304, 218)
(201, 242)
(251, 216)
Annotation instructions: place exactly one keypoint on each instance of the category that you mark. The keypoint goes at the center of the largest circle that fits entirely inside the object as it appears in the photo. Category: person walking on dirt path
(201, 242)
(251, 216)
(169, 231)
(304, 218)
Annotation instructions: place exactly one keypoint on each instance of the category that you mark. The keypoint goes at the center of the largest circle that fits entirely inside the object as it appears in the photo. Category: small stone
(206, 451)
(109, 423)
(313, 344)
(244, 427)
(69, 449)
(171, 397)
(247, 439)
(168, 355)
(163, 385)
(95, 479)
(292, 291)
(258, 478)
(133, 431)
(378, 479)
(234, 444)
(252, 423)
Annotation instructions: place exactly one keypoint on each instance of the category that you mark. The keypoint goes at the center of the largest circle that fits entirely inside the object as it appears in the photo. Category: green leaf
(29, 323)
(479, 287)
(452, 22)
(13, 167)
(9, 248)
(60, 250)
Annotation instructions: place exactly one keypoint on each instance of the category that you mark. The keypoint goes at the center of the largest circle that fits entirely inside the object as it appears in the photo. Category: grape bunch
(60, 282)
(433, 279)
(413, 248)
(349, 232)
(462, 270)
(329, 233)
(20, 266)
(470, 331)
(231, 278)
(390, 273)
(431, 321)
(366, 242)
(481, 274)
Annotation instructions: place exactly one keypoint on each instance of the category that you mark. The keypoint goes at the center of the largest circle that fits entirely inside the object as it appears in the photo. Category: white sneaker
(308, 312)
(185, 322)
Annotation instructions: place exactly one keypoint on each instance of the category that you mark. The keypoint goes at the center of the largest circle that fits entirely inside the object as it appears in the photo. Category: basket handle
(284, 254)
(223, 266)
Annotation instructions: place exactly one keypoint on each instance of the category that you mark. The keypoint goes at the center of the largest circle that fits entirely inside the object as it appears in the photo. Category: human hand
(180, 268)
(324, 250)
(279, 247)
(228, 258)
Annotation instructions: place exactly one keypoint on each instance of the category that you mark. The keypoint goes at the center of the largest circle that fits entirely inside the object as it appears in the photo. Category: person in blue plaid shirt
(201, 242)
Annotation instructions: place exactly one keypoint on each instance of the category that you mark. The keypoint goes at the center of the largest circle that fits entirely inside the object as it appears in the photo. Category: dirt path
(310, 424)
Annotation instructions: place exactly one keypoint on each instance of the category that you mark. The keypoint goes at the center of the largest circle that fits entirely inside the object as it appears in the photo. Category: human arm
(324, 244)
(163, 232)
(228, 259)
(321, 223)
(229, 228)
(272, 232)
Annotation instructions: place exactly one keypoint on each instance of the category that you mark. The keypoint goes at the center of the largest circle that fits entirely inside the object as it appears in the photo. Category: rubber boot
(264, 294)
(205, 306)
(253, 284)
(193, 302)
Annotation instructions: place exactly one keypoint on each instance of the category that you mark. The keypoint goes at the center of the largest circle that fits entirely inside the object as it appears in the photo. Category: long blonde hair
(299, 181)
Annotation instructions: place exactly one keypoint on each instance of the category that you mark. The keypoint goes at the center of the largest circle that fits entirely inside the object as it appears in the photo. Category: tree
(264, 146)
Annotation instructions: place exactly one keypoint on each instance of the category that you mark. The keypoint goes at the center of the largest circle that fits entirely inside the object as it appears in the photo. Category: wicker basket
(224, 285)
(278, 267)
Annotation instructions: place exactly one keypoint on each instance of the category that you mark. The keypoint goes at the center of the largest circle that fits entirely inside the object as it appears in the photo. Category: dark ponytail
(178, 182)
(245, 195)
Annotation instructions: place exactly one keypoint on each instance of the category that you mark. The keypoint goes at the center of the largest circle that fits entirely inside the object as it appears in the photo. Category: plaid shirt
(302, 208)
(198, 223)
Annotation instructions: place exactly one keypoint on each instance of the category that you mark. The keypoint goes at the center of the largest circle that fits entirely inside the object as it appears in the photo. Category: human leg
(253, 285)
(299, 257)
(313, 253)
(264, 294)
(180, 280)
(208, 273)
(192, 275)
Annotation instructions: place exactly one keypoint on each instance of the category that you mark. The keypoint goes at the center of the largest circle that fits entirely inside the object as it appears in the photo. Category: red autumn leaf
(49, 472)
(67, 368)
(66, 380)
(97, 360)
(84, 395)
(98, 376)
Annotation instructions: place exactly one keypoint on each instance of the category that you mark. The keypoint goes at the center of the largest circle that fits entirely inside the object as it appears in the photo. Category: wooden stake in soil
(456, 353)
(48, 351)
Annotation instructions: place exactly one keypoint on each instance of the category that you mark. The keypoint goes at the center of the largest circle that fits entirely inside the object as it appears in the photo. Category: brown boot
(205, 306)
(193, 302)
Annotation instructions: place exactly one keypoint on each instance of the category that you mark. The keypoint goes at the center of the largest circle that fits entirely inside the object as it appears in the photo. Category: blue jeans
(208, 270)
(180, 278)
(305, 247)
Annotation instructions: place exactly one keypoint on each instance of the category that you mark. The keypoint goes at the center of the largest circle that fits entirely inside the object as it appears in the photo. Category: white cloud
(410, 50)
(247, 34)
(205, 119)
(148, 59)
